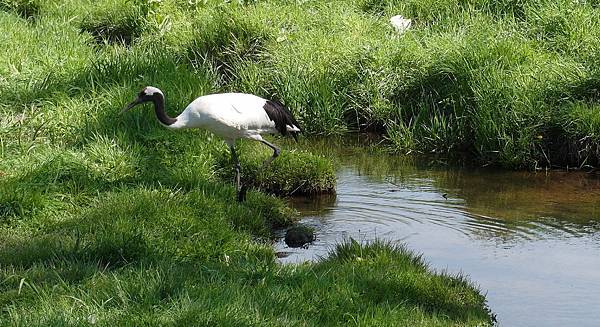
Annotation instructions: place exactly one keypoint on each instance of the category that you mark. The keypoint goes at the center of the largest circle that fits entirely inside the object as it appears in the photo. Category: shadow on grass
(147, 225)
(115, 25)
(26, 9)
(118, 67)
(356, 277)
(226, 41)
(439, 295)
(385, 277)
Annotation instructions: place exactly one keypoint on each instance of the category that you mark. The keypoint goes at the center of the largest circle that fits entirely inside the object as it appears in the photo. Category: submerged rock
(298, 236)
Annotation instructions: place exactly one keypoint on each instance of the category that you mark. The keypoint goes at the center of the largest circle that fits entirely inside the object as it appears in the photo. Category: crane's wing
(282, 117)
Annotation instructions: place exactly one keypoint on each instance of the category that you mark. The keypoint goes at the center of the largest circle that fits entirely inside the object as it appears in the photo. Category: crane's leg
(276, 152)
(241, 194)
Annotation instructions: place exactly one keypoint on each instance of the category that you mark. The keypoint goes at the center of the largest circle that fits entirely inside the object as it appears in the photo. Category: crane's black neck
(159, 108)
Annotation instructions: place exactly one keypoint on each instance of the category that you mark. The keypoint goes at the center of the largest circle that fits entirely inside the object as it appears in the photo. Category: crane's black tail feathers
(282, 117)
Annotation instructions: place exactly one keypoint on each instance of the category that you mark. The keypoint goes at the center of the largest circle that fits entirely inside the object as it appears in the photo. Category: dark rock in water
(298, 236)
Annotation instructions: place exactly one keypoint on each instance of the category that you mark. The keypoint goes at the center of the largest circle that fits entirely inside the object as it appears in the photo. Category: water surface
(531, 241)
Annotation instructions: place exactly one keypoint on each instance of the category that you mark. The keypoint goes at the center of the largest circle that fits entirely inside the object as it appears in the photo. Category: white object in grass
(400, 23)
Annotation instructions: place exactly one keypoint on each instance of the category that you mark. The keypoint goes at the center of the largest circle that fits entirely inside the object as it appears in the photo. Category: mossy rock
(298, 236)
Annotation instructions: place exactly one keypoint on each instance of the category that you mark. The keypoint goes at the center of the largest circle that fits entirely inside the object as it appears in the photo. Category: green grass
(115, 22)
(292, 173)
(373, 285)
(492, 80)
(111, 219)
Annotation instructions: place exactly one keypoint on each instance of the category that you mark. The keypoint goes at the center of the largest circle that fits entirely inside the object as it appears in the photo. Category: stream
(530, 241)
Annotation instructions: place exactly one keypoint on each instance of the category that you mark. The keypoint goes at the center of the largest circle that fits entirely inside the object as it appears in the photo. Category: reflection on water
(530, 240)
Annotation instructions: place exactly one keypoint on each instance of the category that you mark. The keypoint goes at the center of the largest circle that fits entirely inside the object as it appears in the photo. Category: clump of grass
(324, 90)
(64, 168)
(17, 201)
(433, 293)
(292, 173)
(110, 161)
(25, 82)
(27, 9)
(225, 39)
(583, 142)
(115, 22)
(480, 96)
(77, 172)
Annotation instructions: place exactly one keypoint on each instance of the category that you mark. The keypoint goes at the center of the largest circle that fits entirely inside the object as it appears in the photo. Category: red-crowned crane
(229, 116)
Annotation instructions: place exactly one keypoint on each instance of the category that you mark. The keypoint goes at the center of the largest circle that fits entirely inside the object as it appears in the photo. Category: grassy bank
(508, 83)
(110, 219)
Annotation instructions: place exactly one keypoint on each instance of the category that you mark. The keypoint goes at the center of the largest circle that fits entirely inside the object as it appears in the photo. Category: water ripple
(529, 240)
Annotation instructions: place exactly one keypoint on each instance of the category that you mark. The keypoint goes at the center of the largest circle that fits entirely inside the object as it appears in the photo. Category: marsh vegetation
(109, 219)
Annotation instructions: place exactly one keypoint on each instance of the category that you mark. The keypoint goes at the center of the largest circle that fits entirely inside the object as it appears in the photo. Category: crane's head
(149, 93)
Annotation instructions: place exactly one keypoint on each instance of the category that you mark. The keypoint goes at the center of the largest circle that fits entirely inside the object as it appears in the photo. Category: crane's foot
(241, 193)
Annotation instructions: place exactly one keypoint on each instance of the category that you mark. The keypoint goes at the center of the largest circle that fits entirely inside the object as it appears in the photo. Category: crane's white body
(229, 116)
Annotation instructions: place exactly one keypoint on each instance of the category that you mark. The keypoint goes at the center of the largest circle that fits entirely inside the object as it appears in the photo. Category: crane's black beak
(132, 104)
